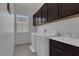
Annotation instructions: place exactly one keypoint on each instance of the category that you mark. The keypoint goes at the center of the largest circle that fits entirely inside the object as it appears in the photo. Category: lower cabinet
(64, 53)
(62, 49)
(54, 51)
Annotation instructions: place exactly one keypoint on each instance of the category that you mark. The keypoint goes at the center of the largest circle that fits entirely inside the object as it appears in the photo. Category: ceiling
(30, 7)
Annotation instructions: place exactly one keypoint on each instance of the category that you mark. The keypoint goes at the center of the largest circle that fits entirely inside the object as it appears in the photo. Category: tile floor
(23, 50)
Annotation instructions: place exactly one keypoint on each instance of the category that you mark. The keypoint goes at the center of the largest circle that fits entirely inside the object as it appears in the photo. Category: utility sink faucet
(45, 30)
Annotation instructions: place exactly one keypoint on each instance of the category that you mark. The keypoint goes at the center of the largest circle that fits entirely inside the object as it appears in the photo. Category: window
(21, 23)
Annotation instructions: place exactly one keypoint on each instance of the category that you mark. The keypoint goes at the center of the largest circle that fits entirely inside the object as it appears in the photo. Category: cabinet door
(54, 51)
(64, 53)
(44, 13)
(38, 17)
(68, 9)
(34, 20)
(52, 11)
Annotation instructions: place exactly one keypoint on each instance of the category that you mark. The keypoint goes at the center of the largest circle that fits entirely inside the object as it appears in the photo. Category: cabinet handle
(59, 50)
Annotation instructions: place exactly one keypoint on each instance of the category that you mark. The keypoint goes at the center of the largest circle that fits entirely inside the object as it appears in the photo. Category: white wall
(63, 27)
(22, 38)
(27, 9)
(6, 31)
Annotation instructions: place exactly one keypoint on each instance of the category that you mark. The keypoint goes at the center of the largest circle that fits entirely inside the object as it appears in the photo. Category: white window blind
(21, 23)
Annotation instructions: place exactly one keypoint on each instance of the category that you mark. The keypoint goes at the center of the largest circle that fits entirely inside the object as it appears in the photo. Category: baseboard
(24, 44)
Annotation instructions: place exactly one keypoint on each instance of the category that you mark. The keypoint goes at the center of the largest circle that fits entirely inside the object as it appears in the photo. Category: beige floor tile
(23, 50)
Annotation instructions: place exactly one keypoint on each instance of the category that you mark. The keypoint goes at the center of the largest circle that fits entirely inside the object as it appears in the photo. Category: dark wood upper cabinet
(39, 17)
(52, 11)
(68, 9)
(44, 13)
(34, 20)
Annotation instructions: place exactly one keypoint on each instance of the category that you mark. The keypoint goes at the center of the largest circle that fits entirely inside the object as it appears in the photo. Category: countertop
(67, 40)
